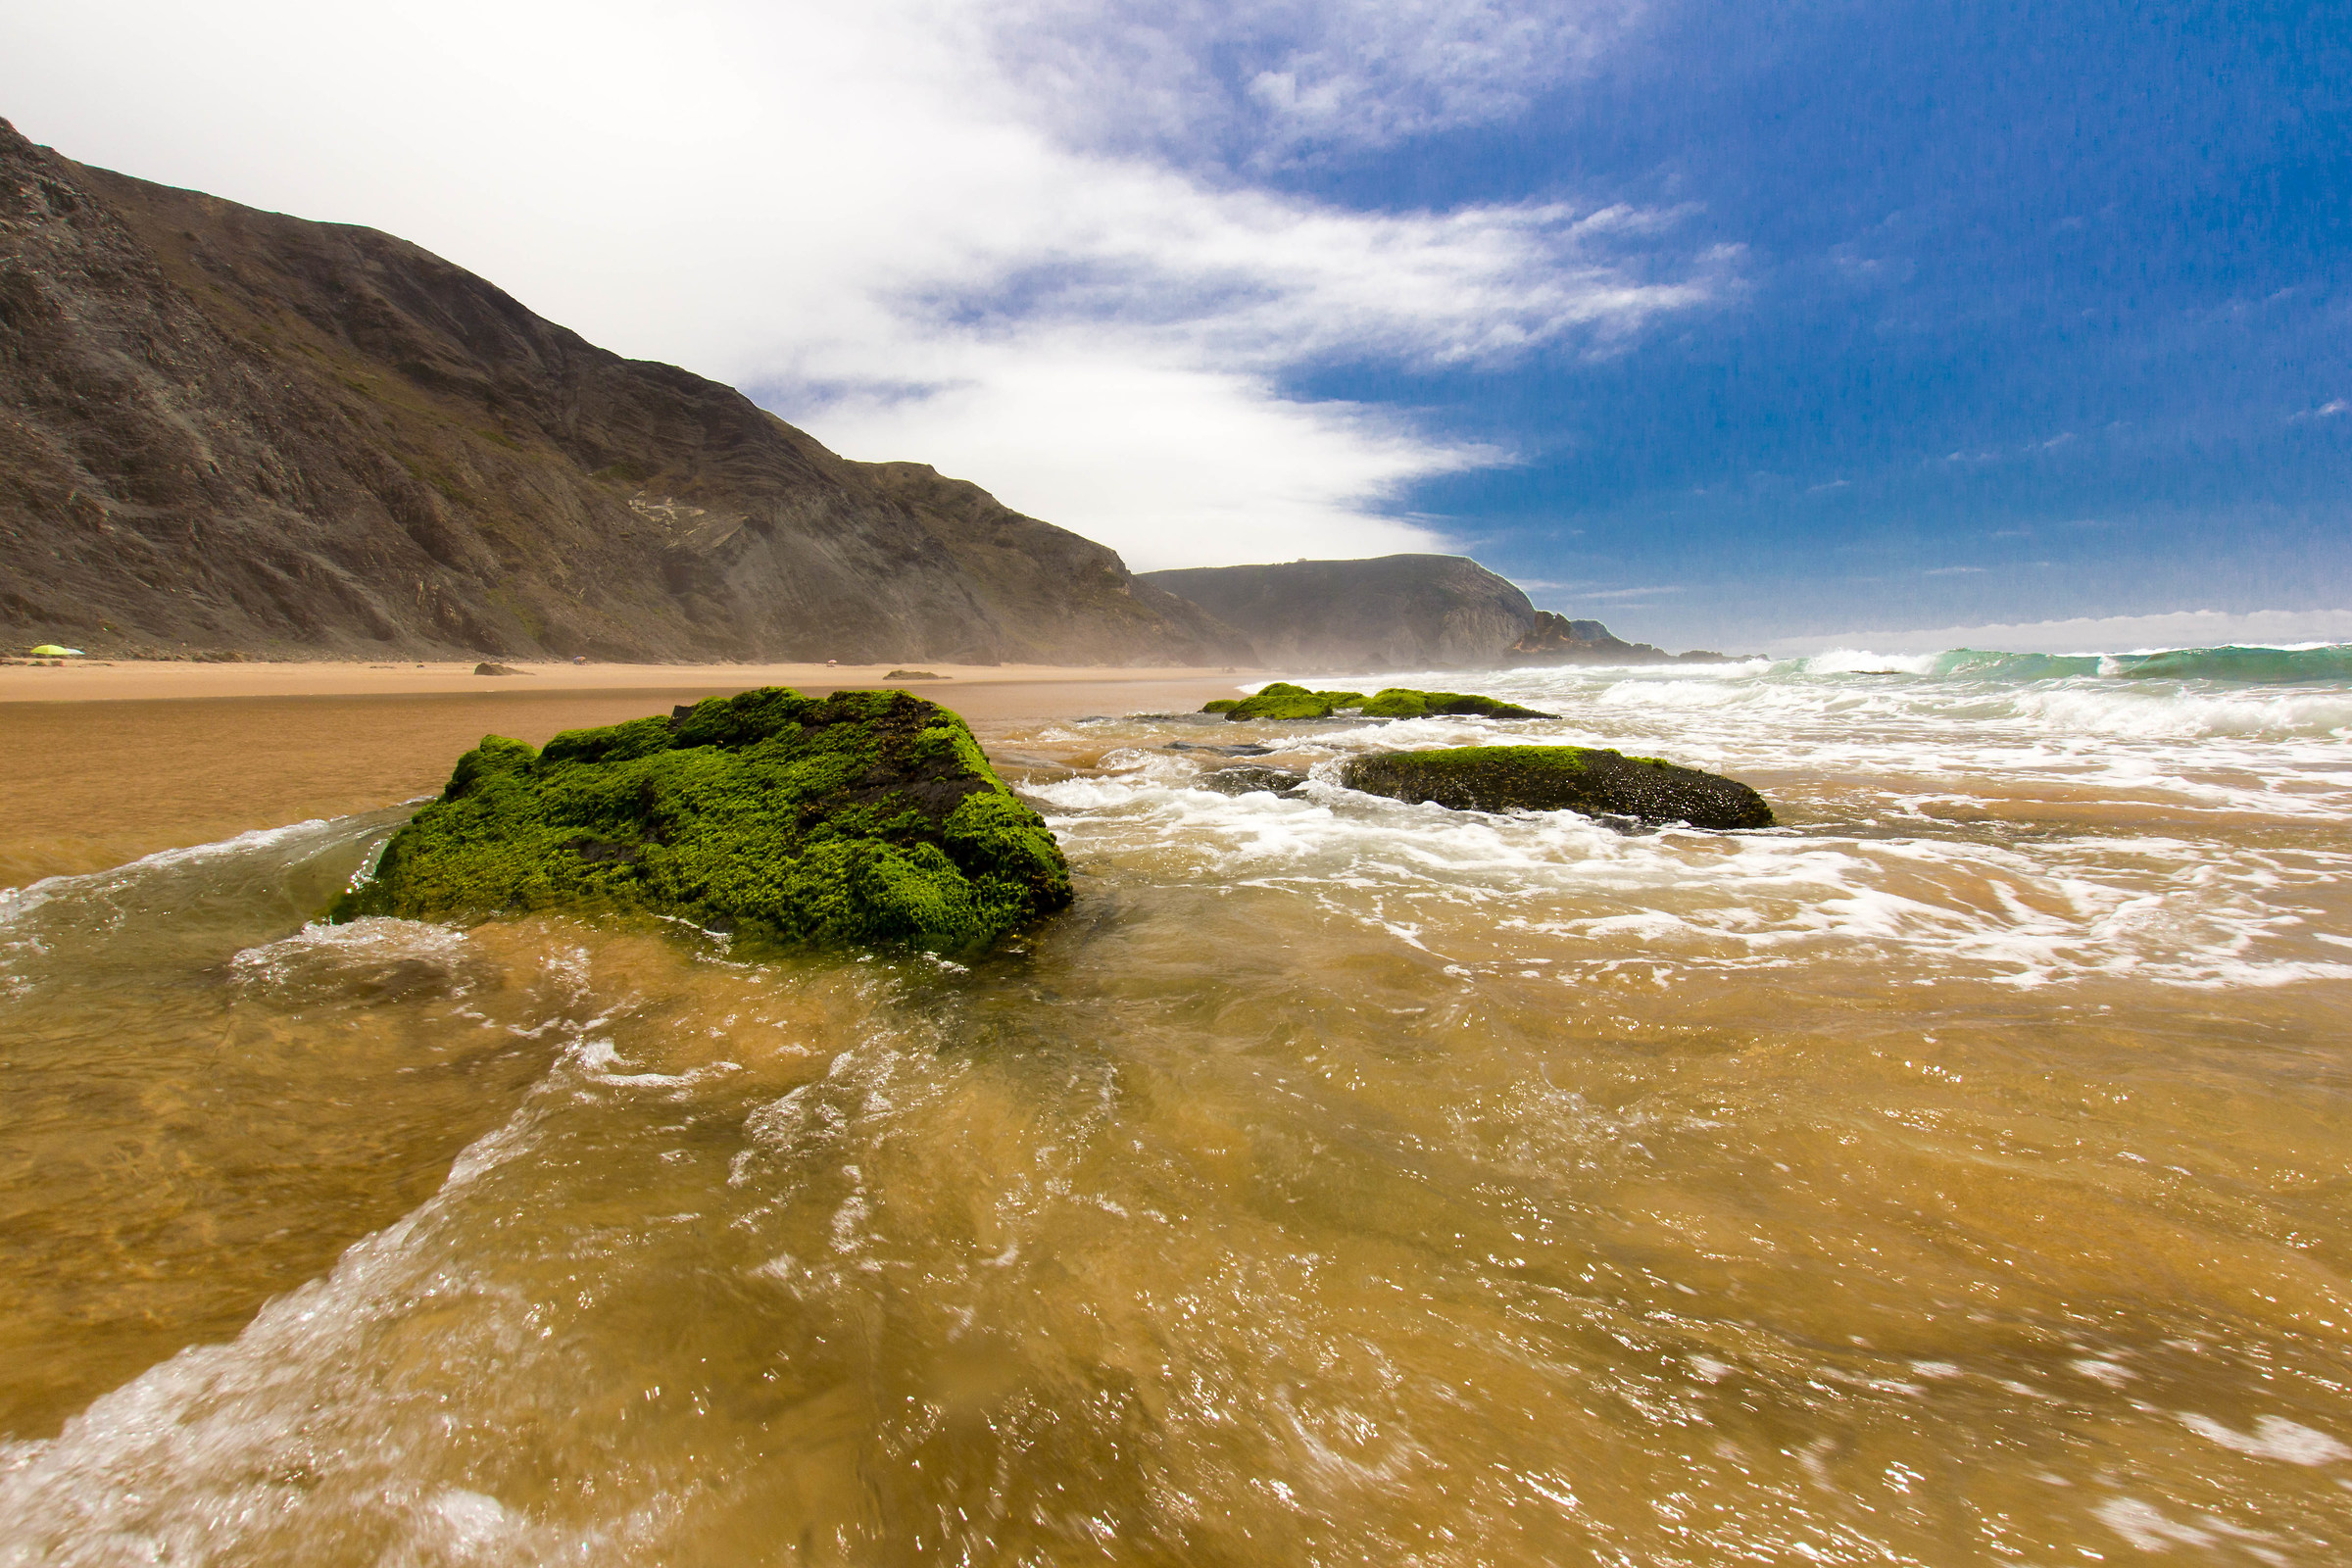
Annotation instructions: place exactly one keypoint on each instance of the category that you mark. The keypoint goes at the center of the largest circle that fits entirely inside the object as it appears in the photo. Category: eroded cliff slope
(1387, 612)
(229, 429)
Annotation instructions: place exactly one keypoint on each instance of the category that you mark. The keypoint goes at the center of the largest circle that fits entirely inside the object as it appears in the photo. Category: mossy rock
(1280, 704)
(1404, 702)
(1281, 700)
(864, 818)
(1560, 778)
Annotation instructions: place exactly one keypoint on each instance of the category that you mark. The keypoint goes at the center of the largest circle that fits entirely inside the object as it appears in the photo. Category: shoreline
(153, 680)
(131, 758)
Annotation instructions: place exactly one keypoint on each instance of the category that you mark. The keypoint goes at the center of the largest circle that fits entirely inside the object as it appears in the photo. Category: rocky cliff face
(1028, 575)
(1557, 640)
(227, 429)
(1387, 612)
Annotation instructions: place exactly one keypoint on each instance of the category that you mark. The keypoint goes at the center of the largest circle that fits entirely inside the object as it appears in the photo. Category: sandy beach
(1008, 690)
(130, 757)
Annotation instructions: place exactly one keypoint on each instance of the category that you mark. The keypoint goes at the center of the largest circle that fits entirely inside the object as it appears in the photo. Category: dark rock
(1221, 751)
(1250, 780)
(868, 817)
(913, 675)
(1560, 778)
(488, 668)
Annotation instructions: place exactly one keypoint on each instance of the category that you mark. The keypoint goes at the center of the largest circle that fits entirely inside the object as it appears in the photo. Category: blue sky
(1732, 326)
(2043, 313)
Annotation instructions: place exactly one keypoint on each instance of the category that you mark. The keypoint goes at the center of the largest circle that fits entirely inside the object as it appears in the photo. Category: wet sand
(114, 762)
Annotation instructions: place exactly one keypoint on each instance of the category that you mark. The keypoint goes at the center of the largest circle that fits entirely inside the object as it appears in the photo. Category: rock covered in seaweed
(865, 817)
(1281, 700)
(1404, 702)
(1560, 778)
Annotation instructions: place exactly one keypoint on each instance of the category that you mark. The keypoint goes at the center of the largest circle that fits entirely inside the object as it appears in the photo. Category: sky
(1748, 326)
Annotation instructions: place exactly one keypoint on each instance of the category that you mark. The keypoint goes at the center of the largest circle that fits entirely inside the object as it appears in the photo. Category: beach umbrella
(52, 651)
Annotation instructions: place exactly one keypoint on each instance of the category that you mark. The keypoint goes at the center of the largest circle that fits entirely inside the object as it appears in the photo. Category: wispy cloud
(1033, 243)
(1627, 596)
(1273, 81)
(1949, 571)
(2325, 411)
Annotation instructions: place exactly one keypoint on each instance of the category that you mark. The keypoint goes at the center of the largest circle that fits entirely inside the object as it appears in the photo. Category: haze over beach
(1449, 782)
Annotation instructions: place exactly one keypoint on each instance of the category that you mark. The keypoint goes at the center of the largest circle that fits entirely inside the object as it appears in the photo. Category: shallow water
(1956, 1173)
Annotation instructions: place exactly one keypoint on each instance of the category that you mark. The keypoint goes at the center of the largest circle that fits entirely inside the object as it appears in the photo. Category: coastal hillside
(1398, 612)
(1557, 640)
(235, 431)
(1387, 612)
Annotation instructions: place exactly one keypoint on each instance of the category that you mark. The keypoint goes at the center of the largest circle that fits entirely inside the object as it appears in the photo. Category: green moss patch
(864, 818)
(1560, 778)
(1281, 700)
(1404, 702)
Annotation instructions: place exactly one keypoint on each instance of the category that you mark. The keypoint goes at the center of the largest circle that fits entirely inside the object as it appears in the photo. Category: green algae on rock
(1404, 702)
(865, 817)
(1281, 700)
(1560, 778)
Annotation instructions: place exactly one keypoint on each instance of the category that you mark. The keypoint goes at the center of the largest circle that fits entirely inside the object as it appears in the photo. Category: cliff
(226, 429)
(1557, 640)
(1387, 612)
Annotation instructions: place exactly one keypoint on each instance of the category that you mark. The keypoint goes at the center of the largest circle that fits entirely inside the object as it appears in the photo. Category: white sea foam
(374, 937)
(1840, 750)
(2273, 1437)
(18, 902)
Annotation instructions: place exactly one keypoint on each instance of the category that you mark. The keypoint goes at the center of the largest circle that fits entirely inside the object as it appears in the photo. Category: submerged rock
(1249, 780)
(865, 817)
(1560, 778)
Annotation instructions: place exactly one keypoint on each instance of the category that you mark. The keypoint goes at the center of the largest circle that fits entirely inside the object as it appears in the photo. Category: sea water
(1953, 1173)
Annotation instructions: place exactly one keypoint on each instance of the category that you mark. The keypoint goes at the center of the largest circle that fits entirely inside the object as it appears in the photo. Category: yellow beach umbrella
(52, 651)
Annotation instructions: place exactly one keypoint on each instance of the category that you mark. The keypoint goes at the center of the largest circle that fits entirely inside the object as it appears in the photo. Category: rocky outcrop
(1560, 778)
(1557, 640)
(1404, 702)
(868, 817)
(1035, 580)
(1283, 700)
(232, 430)
(1387, 612)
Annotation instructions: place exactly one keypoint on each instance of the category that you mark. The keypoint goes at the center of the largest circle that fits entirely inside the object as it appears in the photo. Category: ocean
(1953, 1173)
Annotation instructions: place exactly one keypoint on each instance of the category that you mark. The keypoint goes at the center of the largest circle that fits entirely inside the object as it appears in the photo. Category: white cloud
(2325, 411)
(2107, 634)
(973, 234)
